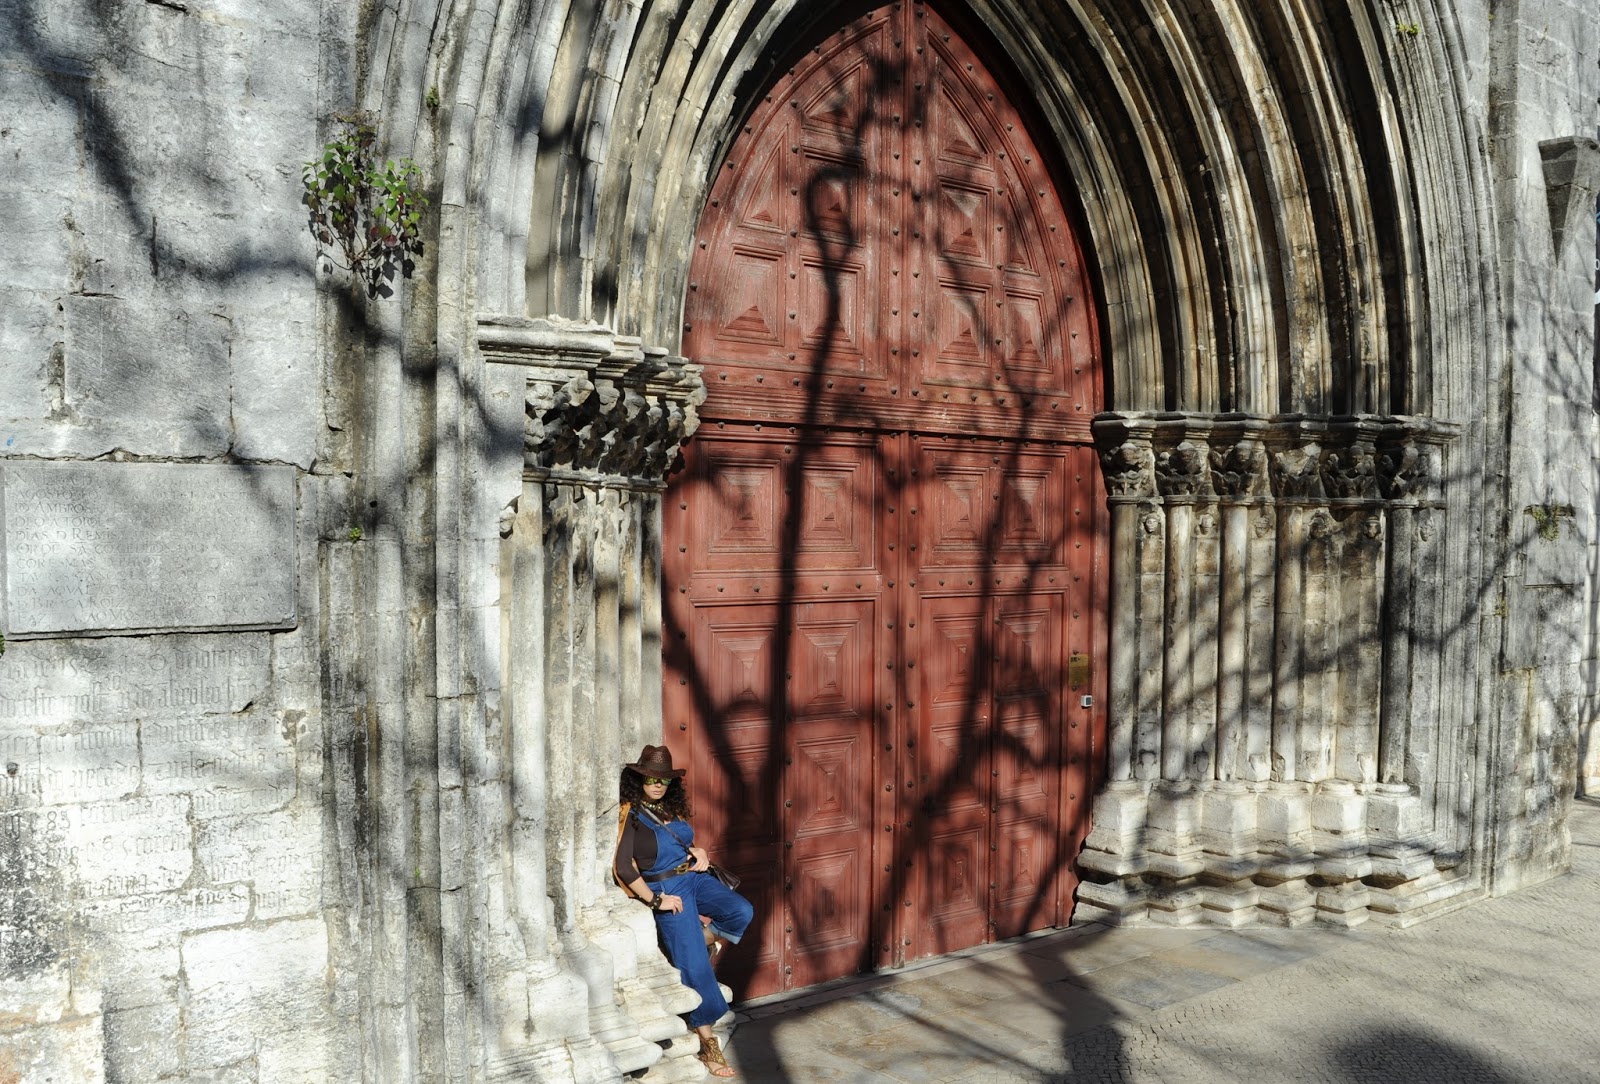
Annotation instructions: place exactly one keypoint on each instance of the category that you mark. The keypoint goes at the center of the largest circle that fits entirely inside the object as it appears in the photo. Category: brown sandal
(711, 1057)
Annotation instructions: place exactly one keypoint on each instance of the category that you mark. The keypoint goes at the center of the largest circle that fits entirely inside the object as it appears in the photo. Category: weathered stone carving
(598, 411)
(1129, 470)
(1184, 471)
(1350, 473)
(1239, 470)
(1297, 474)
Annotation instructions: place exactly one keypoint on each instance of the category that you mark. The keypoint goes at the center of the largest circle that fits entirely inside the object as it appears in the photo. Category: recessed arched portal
(884, 568)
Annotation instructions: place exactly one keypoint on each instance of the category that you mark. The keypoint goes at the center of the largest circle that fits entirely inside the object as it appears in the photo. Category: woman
(658, 864)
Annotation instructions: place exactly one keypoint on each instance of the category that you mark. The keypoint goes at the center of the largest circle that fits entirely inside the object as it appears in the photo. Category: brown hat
(655, 762)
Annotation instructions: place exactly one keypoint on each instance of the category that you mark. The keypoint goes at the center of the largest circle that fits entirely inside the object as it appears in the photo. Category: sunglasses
(651, 781)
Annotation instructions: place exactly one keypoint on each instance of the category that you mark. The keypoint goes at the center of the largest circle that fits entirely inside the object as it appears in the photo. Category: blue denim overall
(729, 912)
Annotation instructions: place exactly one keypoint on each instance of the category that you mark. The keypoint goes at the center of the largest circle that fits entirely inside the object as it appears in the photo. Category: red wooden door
(885, 546)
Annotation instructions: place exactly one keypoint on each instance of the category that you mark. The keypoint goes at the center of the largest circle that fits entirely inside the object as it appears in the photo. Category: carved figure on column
(1296, 472)
(1400, 470)
(550, 439)
(1350, 472)
(1184, 471)
(1240, 470)
(1129, 470)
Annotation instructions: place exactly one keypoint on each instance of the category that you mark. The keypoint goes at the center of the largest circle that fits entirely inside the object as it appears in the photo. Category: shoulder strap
(665, 824)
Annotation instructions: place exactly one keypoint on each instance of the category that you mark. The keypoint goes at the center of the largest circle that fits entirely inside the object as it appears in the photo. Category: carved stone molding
(1291, 457)
(1129, 470)
(1240, 470)
(1350, 472)
(1184, 470)
(599, 409)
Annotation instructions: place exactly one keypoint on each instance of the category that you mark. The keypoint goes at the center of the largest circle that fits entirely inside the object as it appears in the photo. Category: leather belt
(682, 867)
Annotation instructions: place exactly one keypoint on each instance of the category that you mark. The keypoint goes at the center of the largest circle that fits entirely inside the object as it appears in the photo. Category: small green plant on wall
(364, 215)
(1547, 519)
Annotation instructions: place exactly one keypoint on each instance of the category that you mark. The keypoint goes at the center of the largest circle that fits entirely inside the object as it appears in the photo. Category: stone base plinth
(1262, 854)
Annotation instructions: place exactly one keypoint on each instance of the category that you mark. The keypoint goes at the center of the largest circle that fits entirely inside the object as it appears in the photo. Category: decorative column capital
(600, 410)
(1184, 470)
(1129, 470)
(1240, 470)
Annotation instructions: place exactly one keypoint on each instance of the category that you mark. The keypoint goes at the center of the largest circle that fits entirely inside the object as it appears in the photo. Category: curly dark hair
(675, 803)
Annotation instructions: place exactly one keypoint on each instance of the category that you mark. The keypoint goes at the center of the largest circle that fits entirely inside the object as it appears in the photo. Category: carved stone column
(603, 422)
(1269, 673)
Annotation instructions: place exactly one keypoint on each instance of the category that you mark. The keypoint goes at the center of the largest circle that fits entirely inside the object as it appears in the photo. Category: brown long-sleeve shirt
(636, 850)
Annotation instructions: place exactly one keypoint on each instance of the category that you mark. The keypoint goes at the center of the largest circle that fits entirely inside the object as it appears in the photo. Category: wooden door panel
(955, 891)
(1032, 491)
(828, 792)
(868, 624)
(1027, 758)
(1021, 899)
(741, 485)
(953, 774)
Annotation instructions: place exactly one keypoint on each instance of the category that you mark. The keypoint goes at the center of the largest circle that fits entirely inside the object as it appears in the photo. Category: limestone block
(1337, 808)
(1389, 870)
(234, 764)
(1174, 820)
(1231, 905)
(130, 847)
(1418, 900)
(1114, 865)
(138, 1042)
(69, 711)
(1291, 903)
(1280, 868)
(1343, 899)
(36, 141)
(30, 355)
(161, 917)
(39, 993)
(258, 991)
(71, 1051)
(1394, 816)
(1338, 868)
(130, 546)
(276, 857)
(1180, 908)
(148, 378)
(1121, 815)
(1227, 870)
(1228, 820)
(276, 386)
(1121, 901)
(1283, 812)
(36, 246)
(1174, 867)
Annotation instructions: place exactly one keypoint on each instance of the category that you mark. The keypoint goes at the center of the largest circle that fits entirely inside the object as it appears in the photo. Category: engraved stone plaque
(126, 547)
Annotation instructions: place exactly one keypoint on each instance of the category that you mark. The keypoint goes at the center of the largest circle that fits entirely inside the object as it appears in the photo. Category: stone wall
(168, 893)
(1542, 82)
(328, 619)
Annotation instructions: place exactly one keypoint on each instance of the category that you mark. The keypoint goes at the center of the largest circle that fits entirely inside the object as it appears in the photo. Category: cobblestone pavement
(1504, 990)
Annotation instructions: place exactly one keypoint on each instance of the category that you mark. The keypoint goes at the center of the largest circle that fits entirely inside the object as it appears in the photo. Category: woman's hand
(702, 861)
(669, 902)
